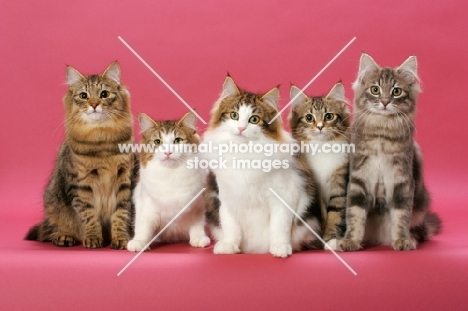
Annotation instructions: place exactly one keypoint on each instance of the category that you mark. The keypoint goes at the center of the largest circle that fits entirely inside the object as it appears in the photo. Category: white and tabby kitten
(387, 201)
(324, 122)
(244, 215)
(167, 184)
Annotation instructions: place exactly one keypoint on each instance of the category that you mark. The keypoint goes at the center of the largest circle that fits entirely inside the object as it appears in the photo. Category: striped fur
(387, 201)
(88, 197)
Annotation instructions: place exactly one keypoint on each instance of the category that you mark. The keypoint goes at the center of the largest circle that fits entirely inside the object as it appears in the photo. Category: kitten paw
(64, 240)
(226, 248)
(200, 241)
(404, 245)
(136, 246)
(92, 242)
(119, 243)
(348, 245)
(282, 250)
(331, 245)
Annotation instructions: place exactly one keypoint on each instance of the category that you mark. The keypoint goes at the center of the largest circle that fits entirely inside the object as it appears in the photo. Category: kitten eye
(104, 94)
(309, 118)
(329, 116)
(234, 115)
(254, 119)
(83, 95)
(178, 140)
(397, 92)
(375, 90)
(157, 142)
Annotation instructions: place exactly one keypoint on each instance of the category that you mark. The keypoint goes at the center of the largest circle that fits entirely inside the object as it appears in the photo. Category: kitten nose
(385, 103)
(167, 153)
(320, 126)
(241, 129)
(94, 104)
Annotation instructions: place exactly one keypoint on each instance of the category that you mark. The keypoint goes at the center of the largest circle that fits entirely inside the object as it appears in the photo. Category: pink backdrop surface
(192, 45)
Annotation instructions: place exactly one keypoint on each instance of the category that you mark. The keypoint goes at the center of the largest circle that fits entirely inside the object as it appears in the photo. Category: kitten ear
(409, 66)
(297, 96)
(272, 97)
(145, 122)
(113, 72)
(189, 120)
(337, 93)
(229, 88)
(367, 63)
(73, 76)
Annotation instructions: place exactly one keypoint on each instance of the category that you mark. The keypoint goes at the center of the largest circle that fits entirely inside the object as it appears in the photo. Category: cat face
(95, 99)
(243, 116)
(386, 91)
(319, 118)
(170, 140)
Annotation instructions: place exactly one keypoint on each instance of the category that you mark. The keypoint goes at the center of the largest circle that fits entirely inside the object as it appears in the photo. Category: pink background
(192, 45)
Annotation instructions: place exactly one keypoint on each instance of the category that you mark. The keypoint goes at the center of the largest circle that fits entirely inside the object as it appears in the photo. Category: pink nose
(241, 129)
(167, 154)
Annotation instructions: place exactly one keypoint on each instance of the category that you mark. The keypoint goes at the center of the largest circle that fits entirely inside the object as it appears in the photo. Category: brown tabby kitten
(88, 198)
(387, 200)
(318, 121)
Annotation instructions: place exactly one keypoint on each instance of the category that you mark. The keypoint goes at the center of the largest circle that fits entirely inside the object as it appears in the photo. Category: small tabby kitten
(387, 201)
(167, 184)
(244, 215)
(319, 121)
(88, 198)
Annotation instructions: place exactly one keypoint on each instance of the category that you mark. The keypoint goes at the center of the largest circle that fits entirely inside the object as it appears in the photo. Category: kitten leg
(146, 223)
(197, 233)
(121, 219)
(336, 221)
(89, 218)
(281, 220)
(231, 237)
(356, 214)
(401, 216)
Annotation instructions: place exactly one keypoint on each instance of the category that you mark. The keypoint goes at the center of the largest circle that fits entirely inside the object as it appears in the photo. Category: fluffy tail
(34, 233)
(429, 227)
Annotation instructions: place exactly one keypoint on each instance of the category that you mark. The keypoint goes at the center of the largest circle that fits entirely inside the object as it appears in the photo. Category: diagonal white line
(161, 79)
(312, 230)
(313, 79)
(162, 230)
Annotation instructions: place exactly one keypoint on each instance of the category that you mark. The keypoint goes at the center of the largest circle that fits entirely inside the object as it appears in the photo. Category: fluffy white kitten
(167, 184)
(244, 215)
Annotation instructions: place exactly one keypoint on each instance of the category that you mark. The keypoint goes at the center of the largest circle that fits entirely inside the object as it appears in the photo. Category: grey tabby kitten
(319, 121)
(387, 200)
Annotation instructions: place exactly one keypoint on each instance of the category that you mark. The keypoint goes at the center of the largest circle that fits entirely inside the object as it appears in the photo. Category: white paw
(282, 250)
(136, 245)
(331, 245)
(200, 241)
(226, 248)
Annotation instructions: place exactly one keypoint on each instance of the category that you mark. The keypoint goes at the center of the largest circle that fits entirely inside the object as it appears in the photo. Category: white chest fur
(323, 166)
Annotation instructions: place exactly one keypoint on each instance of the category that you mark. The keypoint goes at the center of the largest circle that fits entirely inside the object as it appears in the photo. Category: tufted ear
(73, 76)
(189, 120)
(113, 72)
(229, 88)
(337, 93)
(145, 122)
(272, 97)
(367, 63)
(409, 66)
(296, 95)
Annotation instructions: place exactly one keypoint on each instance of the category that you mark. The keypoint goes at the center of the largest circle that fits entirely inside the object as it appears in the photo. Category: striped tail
(34, 233)
(431, 225)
